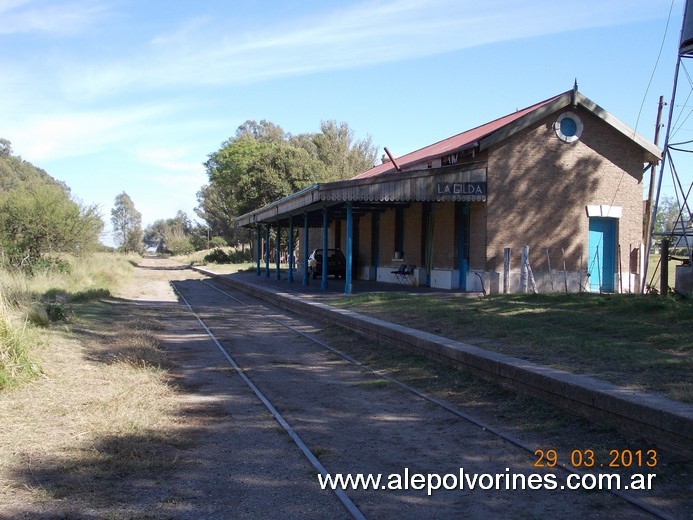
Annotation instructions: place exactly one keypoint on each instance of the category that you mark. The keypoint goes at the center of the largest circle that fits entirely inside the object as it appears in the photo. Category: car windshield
(331, 253)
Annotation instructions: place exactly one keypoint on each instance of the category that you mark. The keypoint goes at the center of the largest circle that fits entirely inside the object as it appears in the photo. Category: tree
(334, 146)
(277, 171)
(262, 163)
(667, 214)
(127, 223)
(40, 218)
(15, 172)
(5, 148)
(262, 132)
(174, 236)
(38, 215)
(215, 206)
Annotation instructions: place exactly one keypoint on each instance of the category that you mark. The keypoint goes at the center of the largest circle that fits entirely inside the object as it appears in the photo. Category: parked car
(336, 263)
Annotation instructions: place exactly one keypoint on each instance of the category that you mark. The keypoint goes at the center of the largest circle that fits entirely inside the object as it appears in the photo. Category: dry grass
(103, 407)
(97, 272)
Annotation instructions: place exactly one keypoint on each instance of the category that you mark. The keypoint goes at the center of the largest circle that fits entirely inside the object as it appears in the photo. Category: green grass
(17, 363)
(641, 342)
(654, 272)
(39, 300)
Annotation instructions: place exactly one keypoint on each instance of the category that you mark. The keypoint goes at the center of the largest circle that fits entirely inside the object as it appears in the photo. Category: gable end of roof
(482, 137)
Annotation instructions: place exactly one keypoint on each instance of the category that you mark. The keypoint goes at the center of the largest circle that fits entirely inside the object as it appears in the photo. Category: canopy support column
(267, 251)
(349, 247)
(325, 225)
(306, 249)
(291, 250)
(463, 263)
(278, 275)
(259, 249)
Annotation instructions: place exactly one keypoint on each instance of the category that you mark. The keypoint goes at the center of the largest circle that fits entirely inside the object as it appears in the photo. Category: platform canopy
(465, 183)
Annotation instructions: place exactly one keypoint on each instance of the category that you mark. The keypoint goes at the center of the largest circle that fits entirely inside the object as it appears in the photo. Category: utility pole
(647, 235)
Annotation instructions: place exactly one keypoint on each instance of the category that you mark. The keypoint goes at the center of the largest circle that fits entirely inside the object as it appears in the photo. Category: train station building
(549, 197)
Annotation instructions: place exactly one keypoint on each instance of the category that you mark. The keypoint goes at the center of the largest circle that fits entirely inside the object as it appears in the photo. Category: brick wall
(364, 246)
(413, 234)
(539, 187)
(444, 236)
(477, 236)
(387, 237)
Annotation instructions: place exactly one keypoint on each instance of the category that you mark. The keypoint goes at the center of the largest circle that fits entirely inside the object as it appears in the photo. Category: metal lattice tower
(681, 235)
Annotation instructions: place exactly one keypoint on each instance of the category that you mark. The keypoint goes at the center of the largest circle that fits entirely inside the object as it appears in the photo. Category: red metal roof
(454, 143)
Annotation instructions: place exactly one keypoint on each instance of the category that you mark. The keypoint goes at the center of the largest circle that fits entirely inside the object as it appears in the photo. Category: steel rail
(346, 501)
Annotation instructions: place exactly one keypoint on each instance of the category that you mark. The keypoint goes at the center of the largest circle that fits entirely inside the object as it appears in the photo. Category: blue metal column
(462, 243)
(267, 248)
(349, 247)
(291, 250)
(278, 275)
(259, 249)
(428, 247)
(325, 224)
(305, 250)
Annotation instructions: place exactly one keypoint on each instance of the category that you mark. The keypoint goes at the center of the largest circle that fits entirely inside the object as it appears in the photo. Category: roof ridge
(524, 111)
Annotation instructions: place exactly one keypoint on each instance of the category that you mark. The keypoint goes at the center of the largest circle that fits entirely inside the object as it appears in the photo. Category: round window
(568, 127)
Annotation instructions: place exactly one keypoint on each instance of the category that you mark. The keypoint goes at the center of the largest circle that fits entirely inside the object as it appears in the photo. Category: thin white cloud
(30, 16)
(69, 134)
(204, 52)
(42, 98)
(171, 159)
(186, 183)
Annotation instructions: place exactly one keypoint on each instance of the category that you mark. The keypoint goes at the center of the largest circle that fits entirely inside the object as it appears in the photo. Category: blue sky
(132, 95)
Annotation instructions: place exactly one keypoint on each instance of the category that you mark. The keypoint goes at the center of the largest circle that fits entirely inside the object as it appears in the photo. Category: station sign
(477, 189)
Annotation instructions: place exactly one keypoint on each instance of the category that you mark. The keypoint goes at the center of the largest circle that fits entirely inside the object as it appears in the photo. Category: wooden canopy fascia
(370, 194)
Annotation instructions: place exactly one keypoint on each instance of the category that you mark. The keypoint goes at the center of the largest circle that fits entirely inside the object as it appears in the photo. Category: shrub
(218, 242)
(179, 245)
(217, 256)
(239, 257)
(44, 313)
(38, 315)
(50, 264)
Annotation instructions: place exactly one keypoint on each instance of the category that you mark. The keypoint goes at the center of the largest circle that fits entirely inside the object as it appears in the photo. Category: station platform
(654, 417)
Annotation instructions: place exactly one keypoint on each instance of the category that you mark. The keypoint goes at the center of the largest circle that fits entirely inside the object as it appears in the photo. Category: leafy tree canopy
(175, 235)
(262, 163)
(14, 171)
(38, 215)
(668, 213)
(127, 223)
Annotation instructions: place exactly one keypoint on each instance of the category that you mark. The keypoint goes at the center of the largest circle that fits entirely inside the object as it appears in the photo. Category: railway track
(347, 418)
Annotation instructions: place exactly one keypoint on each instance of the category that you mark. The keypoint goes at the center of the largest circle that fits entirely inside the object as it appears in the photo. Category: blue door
(601, 264)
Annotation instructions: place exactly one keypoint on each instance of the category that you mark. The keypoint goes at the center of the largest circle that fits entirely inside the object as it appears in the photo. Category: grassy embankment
(29, 303)
(639, 342)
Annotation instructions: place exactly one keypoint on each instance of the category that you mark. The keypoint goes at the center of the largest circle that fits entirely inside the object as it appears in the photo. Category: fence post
(664, 263)
(506, 269)
(523, 269)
